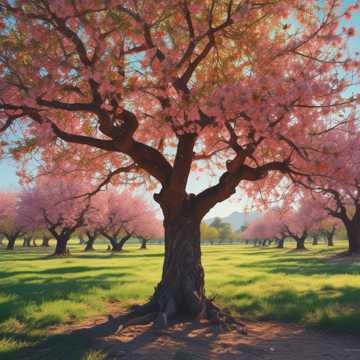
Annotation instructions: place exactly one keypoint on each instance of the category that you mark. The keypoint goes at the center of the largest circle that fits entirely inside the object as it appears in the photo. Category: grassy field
(37, 292)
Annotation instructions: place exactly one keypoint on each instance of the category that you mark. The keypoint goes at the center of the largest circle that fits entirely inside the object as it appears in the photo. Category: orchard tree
(150, 228)
(94, 219)
(91, 237)
(123, 216)
(268, 227)
(337, 190)
(27, 239)
(163, 88)
(329, 227)
(54, 203)
(10, 224)
(303, 221)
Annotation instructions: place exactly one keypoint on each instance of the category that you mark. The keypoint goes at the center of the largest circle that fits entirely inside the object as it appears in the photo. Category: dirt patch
(199, 341)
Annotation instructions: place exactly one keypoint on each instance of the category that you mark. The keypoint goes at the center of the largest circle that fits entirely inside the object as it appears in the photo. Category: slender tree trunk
(34, 243)
(90, 242)
(280, 243)
(61, 246)
(143, 244)
(330, 237)
(45, 241)
(27, 241)
(11, 242)
(113, 243)
(315, 240)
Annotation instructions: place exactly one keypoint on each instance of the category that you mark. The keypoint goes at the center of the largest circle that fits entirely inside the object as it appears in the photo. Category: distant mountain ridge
(237, 219)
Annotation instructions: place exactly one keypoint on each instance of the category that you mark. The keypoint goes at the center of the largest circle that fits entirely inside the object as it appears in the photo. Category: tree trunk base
(116, 250)
(149, 313)
(89, 249)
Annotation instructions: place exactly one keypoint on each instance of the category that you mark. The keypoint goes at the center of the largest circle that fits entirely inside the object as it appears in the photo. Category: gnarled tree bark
(181, 288)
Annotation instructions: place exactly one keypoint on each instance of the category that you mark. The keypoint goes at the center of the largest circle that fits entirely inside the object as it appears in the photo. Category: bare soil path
(199, 341)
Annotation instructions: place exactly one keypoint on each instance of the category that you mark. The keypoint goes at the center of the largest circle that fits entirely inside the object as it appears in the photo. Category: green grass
(37, 292)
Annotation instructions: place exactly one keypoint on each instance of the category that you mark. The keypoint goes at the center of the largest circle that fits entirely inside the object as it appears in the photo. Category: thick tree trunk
(11, 242)
(143, 244)
(300, 243)
(45, 241)
(353, 232)
(61, 246)
(181, 289)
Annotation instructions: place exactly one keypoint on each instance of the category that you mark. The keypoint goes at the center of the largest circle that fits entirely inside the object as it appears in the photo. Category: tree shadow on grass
(56, 347)
(44, 290)
(304, 266)
(330, 308)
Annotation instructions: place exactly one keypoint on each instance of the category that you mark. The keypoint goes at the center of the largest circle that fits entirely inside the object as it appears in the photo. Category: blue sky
(9, 181)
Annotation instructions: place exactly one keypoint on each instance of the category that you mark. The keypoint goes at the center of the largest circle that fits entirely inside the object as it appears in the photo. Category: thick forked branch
(230, 180)
(147, 157)
(84, 140)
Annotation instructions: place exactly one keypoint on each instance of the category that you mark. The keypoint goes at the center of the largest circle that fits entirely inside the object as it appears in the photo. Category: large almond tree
(168, 87)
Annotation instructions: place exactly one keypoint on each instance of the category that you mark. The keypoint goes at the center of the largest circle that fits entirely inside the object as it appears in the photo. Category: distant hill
(237, 219)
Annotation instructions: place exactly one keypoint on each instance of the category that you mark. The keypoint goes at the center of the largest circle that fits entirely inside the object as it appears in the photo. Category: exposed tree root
(150, 314)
